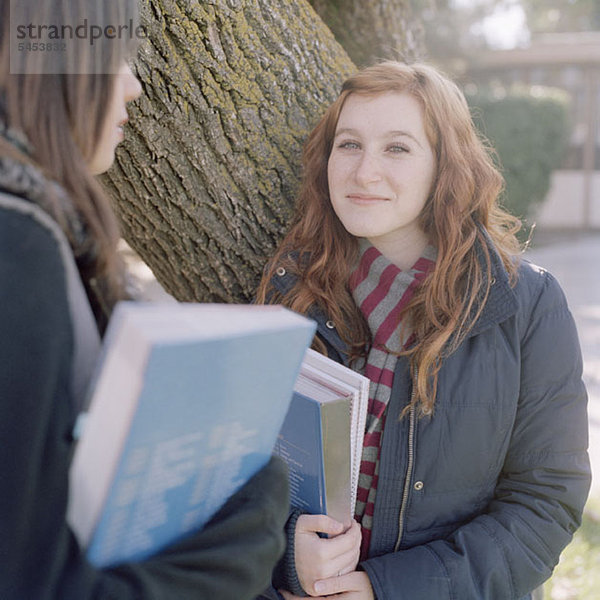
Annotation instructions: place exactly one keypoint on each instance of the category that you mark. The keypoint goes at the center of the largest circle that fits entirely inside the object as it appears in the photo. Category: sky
(505, 28)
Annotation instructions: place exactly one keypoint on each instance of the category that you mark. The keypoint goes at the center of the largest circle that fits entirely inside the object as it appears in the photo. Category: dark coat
(479, 500)
(42, 348)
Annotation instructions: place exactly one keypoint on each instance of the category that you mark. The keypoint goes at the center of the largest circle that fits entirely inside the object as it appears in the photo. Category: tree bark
(371, 30)
(205, 182)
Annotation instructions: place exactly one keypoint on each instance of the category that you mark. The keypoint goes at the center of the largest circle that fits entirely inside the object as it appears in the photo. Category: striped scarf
(381, 290)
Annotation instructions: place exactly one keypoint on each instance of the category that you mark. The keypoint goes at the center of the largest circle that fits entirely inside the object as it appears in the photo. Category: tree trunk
(371, 30)
(206, 179)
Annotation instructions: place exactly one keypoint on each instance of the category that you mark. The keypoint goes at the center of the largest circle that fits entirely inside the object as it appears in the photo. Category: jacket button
(419, 486)
(280, 271)
(493, 281)
(330, 325)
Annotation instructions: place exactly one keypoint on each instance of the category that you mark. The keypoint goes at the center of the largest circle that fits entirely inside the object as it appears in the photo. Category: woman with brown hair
(62, 113)
(474, 470)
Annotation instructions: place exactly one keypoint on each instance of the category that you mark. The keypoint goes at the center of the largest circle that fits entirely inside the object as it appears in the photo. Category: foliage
(453, 28)
(528, 128)
(450, 32)
(577, 576)
(562, 15)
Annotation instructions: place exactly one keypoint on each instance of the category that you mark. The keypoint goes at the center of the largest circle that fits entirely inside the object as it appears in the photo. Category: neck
(402, 251)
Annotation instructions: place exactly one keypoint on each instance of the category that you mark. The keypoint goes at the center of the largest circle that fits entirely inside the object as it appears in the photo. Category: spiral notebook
(322, 437)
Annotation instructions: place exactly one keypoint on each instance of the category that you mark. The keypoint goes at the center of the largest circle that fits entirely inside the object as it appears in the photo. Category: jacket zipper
(411, 456)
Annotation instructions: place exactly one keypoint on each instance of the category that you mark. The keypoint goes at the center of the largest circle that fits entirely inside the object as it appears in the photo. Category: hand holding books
(321, 440)
(329, 557)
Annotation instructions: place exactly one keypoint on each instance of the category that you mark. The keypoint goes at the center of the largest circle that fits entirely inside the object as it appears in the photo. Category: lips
(366, 198)
(120, 126)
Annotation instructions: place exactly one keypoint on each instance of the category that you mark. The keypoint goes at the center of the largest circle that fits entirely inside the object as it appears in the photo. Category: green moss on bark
(207, 176)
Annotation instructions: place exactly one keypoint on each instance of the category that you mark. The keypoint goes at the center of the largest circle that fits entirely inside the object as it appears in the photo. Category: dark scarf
(25, 180)
(381, 290)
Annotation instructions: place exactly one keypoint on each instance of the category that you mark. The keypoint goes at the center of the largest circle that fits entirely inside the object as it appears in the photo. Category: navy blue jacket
(479, 500)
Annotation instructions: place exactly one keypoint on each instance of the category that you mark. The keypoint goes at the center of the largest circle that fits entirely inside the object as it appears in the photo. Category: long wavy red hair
(463, 206)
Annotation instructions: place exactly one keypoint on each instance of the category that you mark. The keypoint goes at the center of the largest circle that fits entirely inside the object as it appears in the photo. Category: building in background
(569, 61)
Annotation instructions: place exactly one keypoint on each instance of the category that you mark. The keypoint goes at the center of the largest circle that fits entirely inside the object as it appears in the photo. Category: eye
(349, 145)
(397, 148)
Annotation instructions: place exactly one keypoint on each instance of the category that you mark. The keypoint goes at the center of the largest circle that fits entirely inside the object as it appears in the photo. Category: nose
(132, 88)
(368, 169)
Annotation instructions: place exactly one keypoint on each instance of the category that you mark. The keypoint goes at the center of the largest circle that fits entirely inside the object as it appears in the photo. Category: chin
(359, 230)
(101, 165)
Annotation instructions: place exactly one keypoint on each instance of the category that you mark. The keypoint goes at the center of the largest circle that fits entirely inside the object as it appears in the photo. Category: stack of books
(189, 401)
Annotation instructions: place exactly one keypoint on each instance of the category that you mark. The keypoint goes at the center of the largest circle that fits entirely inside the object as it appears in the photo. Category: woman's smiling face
(381, 167)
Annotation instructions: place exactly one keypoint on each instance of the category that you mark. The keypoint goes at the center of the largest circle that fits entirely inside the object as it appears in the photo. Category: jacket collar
(502, 300)
(283, 281)
(501, 303)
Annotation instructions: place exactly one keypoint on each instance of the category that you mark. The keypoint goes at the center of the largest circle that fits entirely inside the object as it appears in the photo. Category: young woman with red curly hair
(474, 471)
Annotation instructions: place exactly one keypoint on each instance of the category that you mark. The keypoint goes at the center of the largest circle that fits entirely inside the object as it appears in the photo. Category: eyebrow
(393, 133)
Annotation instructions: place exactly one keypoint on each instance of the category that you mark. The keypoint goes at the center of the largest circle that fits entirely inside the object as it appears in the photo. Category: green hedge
(529, 129)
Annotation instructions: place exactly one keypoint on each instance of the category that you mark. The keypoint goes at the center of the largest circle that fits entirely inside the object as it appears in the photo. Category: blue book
(322, 437)
(186, 407)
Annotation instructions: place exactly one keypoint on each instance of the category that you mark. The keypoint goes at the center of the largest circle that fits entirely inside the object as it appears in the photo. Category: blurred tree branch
(371, 30)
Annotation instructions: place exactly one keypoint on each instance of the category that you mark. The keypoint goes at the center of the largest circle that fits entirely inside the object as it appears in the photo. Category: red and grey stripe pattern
(381, 290)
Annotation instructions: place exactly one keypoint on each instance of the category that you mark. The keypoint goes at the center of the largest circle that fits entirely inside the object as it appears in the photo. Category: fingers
(289, 596)
(355, 584)
(322, 552)
(348, 541)
(318, 524)
(321, 558)
(352, 586)
(345, 563)
(349, 553)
